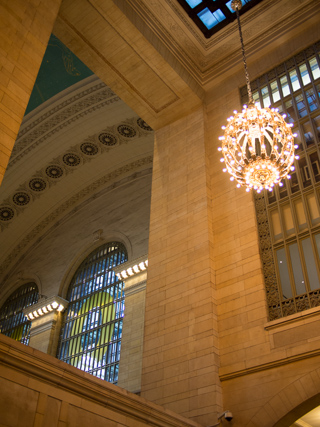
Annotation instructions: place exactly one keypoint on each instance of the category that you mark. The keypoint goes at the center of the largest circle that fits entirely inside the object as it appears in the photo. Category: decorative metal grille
(91, 336)
(212, 15)
(289, 216)
(13, 322)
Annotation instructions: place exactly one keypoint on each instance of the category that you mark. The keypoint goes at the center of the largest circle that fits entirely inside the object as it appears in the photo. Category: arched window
(13, 322)
(91, 336)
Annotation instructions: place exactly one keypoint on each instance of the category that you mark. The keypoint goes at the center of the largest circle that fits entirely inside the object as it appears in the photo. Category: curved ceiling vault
(77, 138)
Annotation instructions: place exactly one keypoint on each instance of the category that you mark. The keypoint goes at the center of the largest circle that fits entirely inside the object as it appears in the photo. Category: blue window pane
(229, 6)
(211, 19)
(193, 3)
(13, 322)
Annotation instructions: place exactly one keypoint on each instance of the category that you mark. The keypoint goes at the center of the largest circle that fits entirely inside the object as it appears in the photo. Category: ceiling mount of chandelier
(258, 144)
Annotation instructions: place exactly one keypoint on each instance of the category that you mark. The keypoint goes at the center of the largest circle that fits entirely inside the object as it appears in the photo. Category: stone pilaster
(180, 355)
(133, 326)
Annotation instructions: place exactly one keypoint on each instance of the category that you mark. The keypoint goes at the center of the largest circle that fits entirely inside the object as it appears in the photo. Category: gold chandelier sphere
(258, 148)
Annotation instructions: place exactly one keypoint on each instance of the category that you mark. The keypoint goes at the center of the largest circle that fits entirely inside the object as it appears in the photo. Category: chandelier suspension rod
(243, 54)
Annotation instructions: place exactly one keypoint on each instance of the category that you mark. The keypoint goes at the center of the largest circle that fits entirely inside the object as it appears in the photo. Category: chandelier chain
(244, 58)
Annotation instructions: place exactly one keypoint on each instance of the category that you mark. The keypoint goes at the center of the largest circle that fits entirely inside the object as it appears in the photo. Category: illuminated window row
(133, 270)
(45, 306)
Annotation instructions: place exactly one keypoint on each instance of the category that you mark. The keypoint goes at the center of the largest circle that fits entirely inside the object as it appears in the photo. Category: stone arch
(291, 402)
(18, 280)
(299, 411)
(114, 236)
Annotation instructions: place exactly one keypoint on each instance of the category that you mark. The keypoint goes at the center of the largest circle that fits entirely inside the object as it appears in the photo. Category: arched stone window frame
(90, 336)
(13, 322)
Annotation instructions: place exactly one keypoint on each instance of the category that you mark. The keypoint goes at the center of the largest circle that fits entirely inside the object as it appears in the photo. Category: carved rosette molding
(68, 101)
(138, 168)
(60, 120)
(66, 163)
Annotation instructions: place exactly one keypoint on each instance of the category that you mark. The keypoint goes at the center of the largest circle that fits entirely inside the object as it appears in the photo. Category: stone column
(181, 355)
(133, 324)
(46, 318)
(25, 28)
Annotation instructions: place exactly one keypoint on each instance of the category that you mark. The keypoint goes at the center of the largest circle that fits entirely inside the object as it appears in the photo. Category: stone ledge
(63, 377)
(293, 318)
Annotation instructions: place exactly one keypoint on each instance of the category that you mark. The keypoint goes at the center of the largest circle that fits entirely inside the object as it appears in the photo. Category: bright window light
(193, 3)
(211, 19)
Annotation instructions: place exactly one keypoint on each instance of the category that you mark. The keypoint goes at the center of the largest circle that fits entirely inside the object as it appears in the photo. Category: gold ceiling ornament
(258, 144)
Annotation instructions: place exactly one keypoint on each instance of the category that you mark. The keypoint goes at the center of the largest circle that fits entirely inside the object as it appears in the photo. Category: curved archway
(78, 259)
(292, 402)
(18, 280)
(299, 411)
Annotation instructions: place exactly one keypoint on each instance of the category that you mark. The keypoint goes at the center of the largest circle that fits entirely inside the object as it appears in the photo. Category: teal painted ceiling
(60, 69)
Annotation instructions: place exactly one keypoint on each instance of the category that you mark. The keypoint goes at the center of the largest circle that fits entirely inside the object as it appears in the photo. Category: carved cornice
(205, 59)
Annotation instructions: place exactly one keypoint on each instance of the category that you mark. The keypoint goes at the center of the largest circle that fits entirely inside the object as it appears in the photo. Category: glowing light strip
(47, 306)
(131, 271)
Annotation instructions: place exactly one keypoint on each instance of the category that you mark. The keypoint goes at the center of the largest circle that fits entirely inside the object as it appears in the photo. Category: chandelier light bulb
(257, 148)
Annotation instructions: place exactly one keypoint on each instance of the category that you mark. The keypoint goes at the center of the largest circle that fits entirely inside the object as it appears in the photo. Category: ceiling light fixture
(258, 144)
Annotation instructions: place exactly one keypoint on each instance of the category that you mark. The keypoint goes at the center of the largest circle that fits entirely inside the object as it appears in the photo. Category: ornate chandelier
(258, 144)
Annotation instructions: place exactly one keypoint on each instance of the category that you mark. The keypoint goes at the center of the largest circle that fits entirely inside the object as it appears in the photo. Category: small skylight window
(210, 19)
(193, 3)
(212, 15)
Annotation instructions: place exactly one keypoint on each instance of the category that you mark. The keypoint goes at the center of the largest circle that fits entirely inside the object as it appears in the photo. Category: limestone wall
(266, 368)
